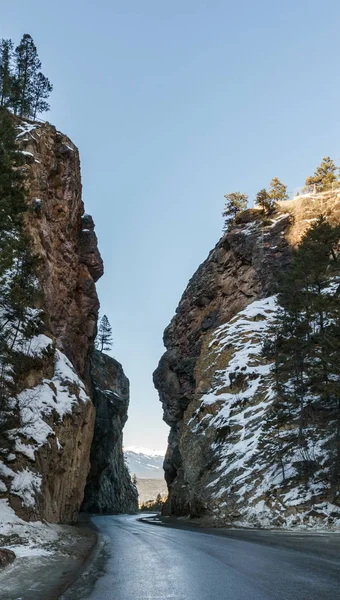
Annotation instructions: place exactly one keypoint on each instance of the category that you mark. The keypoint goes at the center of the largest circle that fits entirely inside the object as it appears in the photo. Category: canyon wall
(109, 488)
(45, 453)
(216, 388)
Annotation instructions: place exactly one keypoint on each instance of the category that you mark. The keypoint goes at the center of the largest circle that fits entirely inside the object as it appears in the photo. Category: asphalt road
(143, 561)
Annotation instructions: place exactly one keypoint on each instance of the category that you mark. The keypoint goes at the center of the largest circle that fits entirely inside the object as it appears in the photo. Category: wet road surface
(143, 561)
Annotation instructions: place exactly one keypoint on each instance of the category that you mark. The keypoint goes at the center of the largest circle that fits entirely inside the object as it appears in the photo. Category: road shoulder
(46, 571)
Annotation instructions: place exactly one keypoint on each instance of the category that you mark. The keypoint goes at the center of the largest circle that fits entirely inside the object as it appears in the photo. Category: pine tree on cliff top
(41, 90)
(277, 190)
(267, 199)
(264, 201)
(27, 68)
(24, 89)
(6, 76)
(104, 338)
(236, 202)
(324, 176)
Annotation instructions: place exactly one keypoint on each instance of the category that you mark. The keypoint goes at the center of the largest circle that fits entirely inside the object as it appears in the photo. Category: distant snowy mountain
(144, 463)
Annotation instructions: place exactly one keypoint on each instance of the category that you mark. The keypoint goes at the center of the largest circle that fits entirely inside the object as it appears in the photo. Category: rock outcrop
(64, 239)
(212, 381)
(45, 449)
(6, 557)
(109, 488)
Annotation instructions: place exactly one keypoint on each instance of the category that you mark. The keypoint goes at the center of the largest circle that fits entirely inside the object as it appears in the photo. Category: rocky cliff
(45, 447)
(63, 237)
(215, 386)
(109, 488)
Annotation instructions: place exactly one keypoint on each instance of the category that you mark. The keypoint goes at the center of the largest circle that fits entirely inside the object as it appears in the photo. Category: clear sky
(172, 105)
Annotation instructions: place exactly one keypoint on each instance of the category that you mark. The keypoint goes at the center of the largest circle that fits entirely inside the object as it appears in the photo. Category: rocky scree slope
(45, 453)
(216, 388)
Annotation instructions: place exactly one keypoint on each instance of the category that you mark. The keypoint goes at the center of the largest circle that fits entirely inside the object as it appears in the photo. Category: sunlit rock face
(216, 388)
(109, 488)
(44, 459)
(64, 238)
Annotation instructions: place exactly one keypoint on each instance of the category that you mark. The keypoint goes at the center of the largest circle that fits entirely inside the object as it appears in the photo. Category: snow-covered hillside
(144, 463)
(41, 411)
(232, 429)
(251, 393)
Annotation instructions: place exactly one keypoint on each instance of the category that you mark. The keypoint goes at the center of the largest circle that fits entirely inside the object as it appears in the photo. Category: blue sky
(173, 105)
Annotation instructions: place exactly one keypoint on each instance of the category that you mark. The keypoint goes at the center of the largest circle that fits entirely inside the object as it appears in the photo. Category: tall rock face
(109, 488)
(215, 386)
(63, 238)
(44, 468)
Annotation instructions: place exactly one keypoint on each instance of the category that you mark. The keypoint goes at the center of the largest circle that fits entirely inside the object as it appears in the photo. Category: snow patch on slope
(26, 129)
(38, 403)
(26, 484)
(144, 463)
(36, 406)
(34, 538)
(247, 485)
(32, 535)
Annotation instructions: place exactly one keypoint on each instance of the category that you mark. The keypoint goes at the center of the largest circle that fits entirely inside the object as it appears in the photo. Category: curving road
(155, 562)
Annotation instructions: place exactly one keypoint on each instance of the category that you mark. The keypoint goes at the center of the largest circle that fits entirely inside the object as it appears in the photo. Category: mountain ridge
(144, 463)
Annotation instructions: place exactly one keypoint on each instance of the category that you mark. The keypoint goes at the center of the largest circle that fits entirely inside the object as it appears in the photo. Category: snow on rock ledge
(45, 448)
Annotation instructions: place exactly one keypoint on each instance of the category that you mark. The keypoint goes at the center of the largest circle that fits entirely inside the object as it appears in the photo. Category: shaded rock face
(213, 383)
(240, 269)
(44, 475)
(233, 470)
(6, 557)
(109, 488)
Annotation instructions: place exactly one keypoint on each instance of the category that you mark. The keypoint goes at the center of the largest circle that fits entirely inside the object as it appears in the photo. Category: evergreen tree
(18, 283)
(264, 201)
(18, 288)
(30, 87)
(235, 203)
(41, 90)
(27, 69)
(104, 336)
(324, 176)
(12, 192)
(277, 190)
(23, 87)
(6, 76)
(306, 352)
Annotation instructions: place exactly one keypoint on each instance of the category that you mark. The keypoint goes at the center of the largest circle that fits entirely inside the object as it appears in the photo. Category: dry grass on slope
(306, 209)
